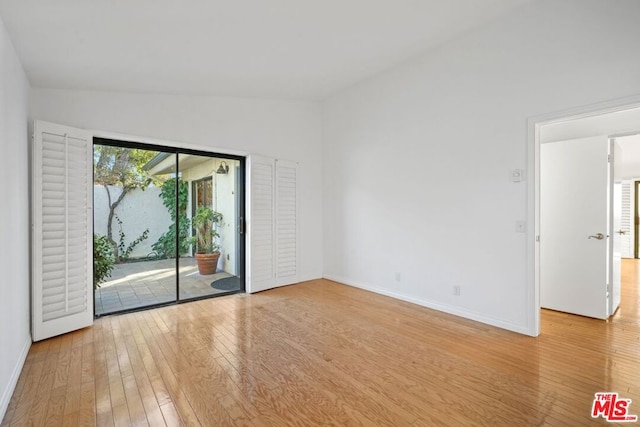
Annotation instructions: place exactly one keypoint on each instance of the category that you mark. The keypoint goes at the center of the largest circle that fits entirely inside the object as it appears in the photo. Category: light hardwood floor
(321, 353)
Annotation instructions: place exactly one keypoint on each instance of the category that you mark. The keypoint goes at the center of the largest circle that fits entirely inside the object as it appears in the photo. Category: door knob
(598, 236)
(621, 232)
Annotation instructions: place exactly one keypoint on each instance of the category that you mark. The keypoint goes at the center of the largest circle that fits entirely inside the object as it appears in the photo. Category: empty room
(271, 213)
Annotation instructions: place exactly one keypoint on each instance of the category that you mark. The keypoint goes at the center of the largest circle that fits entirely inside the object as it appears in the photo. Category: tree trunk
(112, 211)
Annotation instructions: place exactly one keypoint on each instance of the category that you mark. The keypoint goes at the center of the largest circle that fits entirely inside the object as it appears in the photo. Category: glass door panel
(166, 226)
(134, 251)
(212, 264)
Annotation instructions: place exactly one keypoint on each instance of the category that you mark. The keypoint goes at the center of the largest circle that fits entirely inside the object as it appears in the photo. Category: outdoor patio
(139, 284)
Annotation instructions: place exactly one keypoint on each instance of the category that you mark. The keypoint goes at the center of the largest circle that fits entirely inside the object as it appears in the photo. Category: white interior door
(575, 196)
(616, 262)
(62, 283)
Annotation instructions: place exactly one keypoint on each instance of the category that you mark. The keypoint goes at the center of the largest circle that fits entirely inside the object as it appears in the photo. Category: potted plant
(206, 248)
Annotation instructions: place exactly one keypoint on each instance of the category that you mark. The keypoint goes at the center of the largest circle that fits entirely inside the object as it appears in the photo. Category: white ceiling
(261, 48)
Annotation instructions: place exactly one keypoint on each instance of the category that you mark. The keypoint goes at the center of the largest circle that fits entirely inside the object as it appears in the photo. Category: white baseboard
(307, 277)
(13, 381)
(292, 281)
(456, 311)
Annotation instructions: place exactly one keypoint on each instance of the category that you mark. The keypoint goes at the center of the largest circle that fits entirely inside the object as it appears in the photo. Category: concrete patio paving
(139, 284)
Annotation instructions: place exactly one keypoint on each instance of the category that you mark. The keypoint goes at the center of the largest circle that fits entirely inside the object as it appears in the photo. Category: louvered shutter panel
(286, 222)
(62, 294)
(261, 225)
(626, 240)
(272, 257)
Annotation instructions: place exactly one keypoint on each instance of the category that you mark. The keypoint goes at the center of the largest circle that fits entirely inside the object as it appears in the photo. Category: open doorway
(585, 266)
(166, 225)
(627, 171)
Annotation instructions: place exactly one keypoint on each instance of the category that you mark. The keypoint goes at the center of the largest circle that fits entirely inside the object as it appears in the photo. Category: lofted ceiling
(300, 49)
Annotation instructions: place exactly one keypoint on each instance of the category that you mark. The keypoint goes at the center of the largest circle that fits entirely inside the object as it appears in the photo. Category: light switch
(517, 175)
(521, 226)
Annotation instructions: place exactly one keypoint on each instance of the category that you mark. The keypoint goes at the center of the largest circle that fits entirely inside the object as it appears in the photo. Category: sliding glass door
(213, 264)
(167, 225)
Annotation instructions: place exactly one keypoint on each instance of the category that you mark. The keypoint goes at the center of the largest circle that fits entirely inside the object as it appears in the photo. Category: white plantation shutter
(626, 240)
(272, 255)
(62, 230)
(261, 253)
(286, 222)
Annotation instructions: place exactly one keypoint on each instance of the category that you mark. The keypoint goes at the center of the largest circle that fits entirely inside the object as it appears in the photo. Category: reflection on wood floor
(139, 284)
(321, 353)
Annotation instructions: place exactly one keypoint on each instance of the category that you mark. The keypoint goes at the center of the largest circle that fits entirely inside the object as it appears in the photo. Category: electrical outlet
(456, 290)
(398, 277)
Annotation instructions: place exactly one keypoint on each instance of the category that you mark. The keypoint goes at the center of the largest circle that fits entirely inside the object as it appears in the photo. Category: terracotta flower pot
(207, 263)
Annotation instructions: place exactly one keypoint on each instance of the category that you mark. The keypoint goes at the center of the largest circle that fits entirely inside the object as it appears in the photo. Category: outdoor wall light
(223, 169)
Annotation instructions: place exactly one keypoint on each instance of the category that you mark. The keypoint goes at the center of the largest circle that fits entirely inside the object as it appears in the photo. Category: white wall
(281, 129)
(416, 160)
(138, 211)
(627, 156)
(15, 338)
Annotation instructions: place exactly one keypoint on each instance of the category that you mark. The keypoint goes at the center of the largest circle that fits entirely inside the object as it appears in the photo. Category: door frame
(636, 214)
(119, 140)
(534, 125)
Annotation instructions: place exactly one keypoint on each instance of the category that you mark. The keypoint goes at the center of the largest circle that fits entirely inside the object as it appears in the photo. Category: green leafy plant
(124, 250)
(205, 221)
(165, 247)
(103, 260)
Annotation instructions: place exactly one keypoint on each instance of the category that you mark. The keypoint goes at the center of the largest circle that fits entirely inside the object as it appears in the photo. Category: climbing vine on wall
(165, 247)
